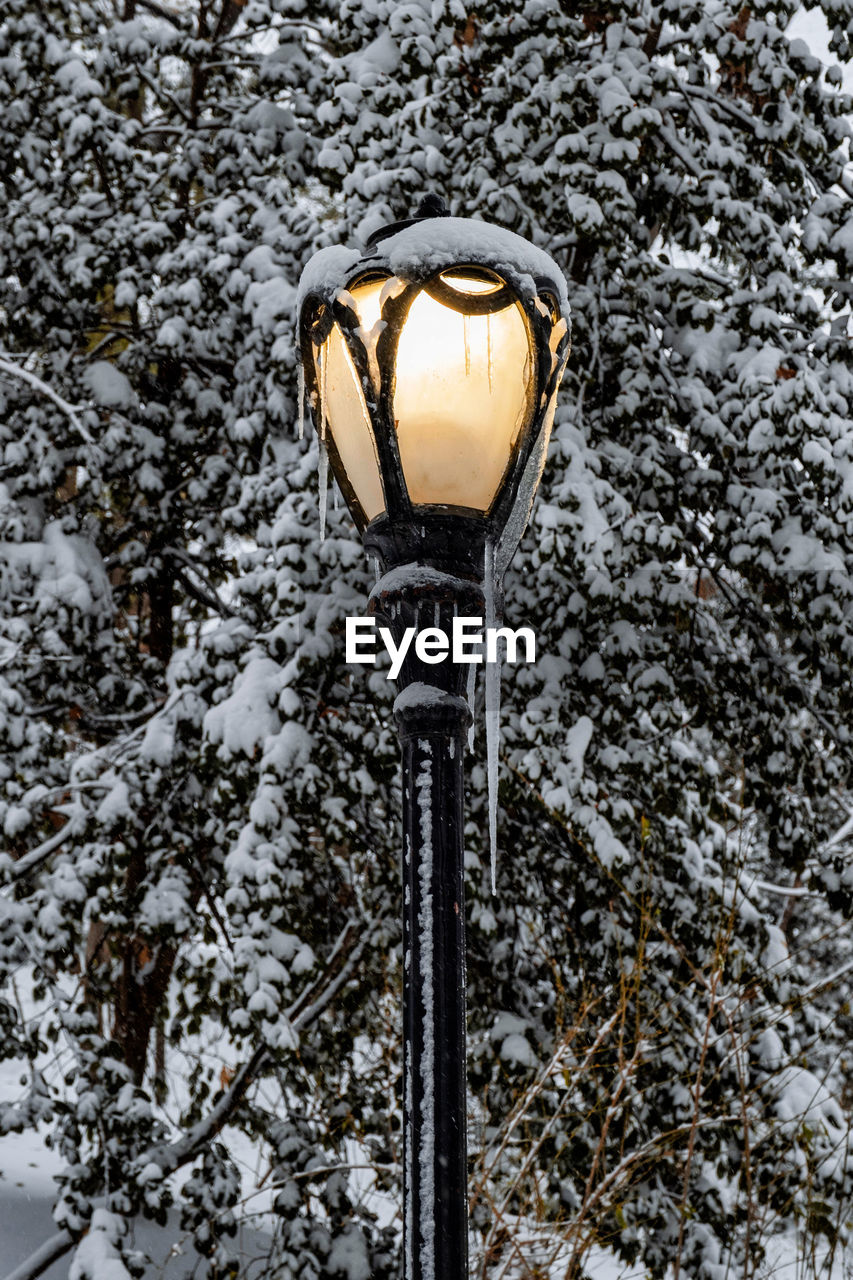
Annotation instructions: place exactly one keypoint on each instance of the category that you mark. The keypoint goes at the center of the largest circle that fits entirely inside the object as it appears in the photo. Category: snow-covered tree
(199, 798)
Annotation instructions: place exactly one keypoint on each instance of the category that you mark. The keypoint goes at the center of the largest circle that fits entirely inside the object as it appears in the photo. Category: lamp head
(432, 362)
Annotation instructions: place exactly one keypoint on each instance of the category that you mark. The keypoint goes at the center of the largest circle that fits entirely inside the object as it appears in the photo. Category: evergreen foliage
(199, 798)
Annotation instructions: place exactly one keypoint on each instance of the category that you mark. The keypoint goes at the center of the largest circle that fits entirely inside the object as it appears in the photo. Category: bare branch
(160, 92)
(161, 12)
(208, 598)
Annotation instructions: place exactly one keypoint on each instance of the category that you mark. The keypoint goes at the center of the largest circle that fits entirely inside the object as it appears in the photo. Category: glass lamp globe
(432, 362)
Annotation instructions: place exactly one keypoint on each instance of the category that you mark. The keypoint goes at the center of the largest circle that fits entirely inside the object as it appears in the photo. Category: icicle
(376, 569)
(470, 694)
(321, 369)
(489, 347)
(466, 328)
(436, 614)
(323, 480)
(300, 399)
(493, 710)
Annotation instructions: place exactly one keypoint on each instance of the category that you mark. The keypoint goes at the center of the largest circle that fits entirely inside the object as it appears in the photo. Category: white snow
(326, 271)
(770, 1050)
(516, 1050)
(115, 805)
(67, 566)
(438, 243)
(809, 26)
(432, 245)
(158, 742)
(164, 904)
(380, 57)
(493, 712)
(508, 1033)
(411, 577)
(108, 385)
(348, 1255)
(418, 694)
(577, 740)
(247, 717)
(304, 959)
(73, 77)
(269, 302)
(97, 1256)
(800, 1098)
(426, 1151)
(585, 211)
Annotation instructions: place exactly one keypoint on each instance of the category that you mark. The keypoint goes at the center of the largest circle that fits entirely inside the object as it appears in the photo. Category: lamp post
(432, 362)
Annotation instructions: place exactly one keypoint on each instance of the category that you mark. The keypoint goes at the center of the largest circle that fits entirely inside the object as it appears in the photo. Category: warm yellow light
(461, 396)
(346, 413)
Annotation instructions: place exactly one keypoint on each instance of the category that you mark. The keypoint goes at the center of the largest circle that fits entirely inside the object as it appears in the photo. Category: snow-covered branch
(669, 137)
(38, 384)
(786, 891)
(44, 1256)
(32, 860)
(822, 983)
(172, 1156)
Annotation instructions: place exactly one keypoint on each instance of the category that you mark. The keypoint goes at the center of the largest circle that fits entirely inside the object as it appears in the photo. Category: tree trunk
(145, 969)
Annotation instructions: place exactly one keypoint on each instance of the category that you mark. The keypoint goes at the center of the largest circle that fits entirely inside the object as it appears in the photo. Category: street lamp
(432, 362)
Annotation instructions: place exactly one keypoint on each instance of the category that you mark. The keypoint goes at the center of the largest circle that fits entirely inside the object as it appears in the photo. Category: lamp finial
(432, 206)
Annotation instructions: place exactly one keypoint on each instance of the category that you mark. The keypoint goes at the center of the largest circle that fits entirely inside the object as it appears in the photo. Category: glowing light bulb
(461, 396)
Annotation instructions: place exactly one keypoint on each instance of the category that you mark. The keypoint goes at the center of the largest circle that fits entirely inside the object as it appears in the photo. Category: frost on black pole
(432, 719)
(432, 364)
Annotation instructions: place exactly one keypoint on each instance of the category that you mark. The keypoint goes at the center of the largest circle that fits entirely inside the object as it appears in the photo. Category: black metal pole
(434, 1145)
(432, 717)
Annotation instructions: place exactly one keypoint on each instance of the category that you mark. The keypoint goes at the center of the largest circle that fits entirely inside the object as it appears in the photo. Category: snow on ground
(27, 1192)
(26, 1222)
